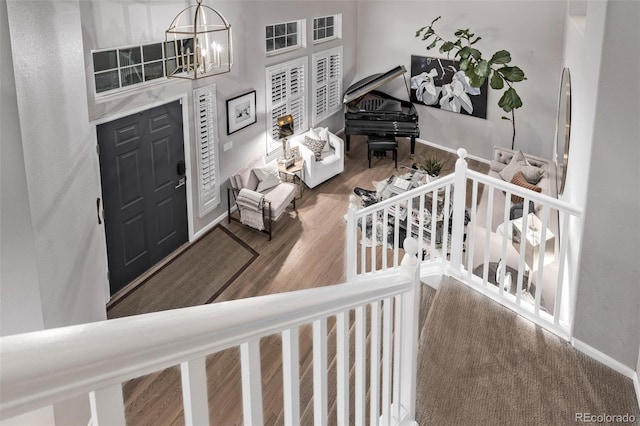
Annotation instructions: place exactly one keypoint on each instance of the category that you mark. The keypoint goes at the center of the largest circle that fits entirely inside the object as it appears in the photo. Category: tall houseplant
(477, 69)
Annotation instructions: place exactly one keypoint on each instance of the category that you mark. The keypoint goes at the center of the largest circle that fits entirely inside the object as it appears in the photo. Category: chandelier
(200, 37)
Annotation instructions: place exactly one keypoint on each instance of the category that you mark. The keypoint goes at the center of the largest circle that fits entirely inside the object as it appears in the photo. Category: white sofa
(502, 157)
(330, 164)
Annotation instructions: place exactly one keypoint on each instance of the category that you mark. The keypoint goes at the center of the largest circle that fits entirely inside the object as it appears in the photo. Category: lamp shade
(201, 39)
(285, 126)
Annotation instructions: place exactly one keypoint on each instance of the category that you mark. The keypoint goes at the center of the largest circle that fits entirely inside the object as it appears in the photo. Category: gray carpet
(481, 364)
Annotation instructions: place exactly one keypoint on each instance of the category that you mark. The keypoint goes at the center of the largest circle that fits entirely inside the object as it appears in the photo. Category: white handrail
(44, 367)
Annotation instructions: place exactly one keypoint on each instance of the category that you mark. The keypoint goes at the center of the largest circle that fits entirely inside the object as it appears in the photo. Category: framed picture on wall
(241, 112)
(440, 83)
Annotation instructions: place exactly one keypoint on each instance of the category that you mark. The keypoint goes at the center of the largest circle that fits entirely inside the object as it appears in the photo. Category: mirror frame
(563, 130)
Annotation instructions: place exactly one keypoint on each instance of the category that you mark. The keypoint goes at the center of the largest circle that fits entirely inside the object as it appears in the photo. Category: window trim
(337, 25)
(302, 38)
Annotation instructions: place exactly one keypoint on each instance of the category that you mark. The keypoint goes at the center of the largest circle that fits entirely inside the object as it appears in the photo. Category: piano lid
(372, 82)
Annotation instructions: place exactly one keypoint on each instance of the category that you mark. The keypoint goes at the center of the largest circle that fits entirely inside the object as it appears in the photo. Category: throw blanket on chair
(250, 205)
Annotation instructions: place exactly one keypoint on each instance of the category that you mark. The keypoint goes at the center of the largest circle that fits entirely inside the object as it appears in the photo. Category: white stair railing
(45, 367)
(521, 262)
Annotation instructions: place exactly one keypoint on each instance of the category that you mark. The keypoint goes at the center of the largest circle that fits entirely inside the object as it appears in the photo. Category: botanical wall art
(441, 84)
(241, 112)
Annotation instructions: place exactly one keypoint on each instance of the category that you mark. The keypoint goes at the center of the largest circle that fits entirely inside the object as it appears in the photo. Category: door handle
(181, 182)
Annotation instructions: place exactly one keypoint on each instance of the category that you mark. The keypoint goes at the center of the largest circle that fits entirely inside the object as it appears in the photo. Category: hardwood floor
(306, 251)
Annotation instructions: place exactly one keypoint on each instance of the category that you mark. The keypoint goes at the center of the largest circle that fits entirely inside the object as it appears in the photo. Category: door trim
(187, 159)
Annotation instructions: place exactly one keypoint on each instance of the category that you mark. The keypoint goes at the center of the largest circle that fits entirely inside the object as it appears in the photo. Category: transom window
(284, 36)
(119, 68)
(327, 28)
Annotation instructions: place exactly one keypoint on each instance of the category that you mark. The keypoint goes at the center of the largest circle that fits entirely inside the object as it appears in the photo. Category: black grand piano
(373, 113)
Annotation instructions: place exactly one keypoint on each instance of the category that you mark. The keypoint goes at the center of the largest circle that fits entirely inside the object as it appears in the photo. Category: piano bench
(383, 144)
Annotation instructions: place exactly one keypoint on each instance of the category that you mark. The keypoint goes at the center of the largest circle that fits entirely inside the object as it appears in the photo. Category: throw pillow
(519, 163)
(324, 136)
(519, 179)
(315, 145)
(268, 175)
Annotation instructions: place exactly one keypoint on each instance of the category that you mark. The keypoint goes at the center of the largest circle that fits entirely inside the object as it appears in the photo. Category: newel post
(460, 192)
(351, 243)
(410, 268)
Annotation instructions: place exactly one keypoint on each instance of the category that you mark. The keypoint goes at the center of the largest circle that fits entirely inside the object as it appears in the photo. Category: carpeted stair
(480, 363)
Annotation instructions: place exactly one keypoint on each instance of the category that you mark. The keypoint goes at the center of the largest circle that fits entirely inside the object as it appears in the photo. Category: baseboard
(605, 359)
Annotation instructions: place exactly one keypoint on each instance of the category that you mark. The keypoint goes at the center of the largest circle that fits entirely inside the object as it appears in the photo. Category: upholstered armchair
(330, 161)
(260, 195)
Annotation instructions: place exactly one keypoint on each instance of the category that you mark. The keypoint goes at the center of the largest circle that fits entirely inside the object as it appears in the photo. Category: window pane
(321, 22)
(315, 23)
(292, 40)
(171, 65)
(169, 50)
(280, 29)
(269, 31)
(270, 45)
(107, 81)
(281, 43)
(104, 60)
(292, 27)
(330, 32)
(129, 56)
(321, 33)
(152, 52)
(153, 71)
(131, 75)
(330, 21)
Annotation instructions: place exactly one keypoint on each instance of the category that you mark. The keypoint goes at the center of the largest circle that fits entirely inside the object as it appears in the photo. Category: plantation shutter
(207, 146)
(327, 83)
(286, 94)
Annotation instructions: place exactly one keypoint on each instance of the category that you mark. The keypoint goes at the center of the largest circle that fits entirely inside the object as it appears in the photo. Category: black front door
(144, 191)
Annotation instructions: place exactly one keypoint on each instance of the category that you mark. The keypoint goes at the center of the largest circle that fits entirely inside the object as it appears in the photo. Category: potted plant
(477, 68)
(432, 165)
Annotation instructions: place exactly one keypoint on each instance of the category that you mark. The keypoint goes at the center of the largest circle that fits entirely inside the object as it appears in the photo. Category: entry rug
(197, 276)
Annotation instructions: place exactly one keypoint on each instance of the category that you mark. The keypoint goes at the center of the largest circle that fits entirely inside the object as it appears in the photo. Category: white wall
(67, 254)
(608, 301)
(531, 30)
(108, 24)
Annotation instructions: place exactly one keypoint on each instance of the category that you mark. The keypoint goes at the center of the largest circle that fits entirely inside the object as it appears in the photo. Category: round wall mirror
(563, 129)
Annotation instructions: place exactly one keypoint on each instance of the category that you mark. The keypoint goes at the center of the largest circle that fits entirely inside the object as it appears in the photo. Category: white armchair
(330, 164)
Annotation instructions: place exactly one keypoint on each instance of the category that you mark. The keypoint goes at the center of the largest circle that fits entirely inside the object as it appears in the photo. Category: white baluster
(374, 381)
(251, 382)
(352, 235)
(387, 307)
(194, 392)
(471, 234)
(342, 370)
(320, 398)
(360, 365)
(523, 249)
(291, 376)
(541, 258)
(561, 283)
(107, 406)
(487, 239)
(397, 357)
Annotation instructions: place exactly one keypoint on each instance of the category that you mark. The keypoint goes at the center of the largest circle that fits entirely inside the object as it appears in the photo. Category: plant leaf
(512, 74)
(476, 40)
(420, 31)
(475, 79)
(496, 82)
(501, 57)
(483, 69)
(465, 52)
(432, 45)
(447, 46)
(475, 54)
(504, 117)
(464, 64)
(510, 100)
